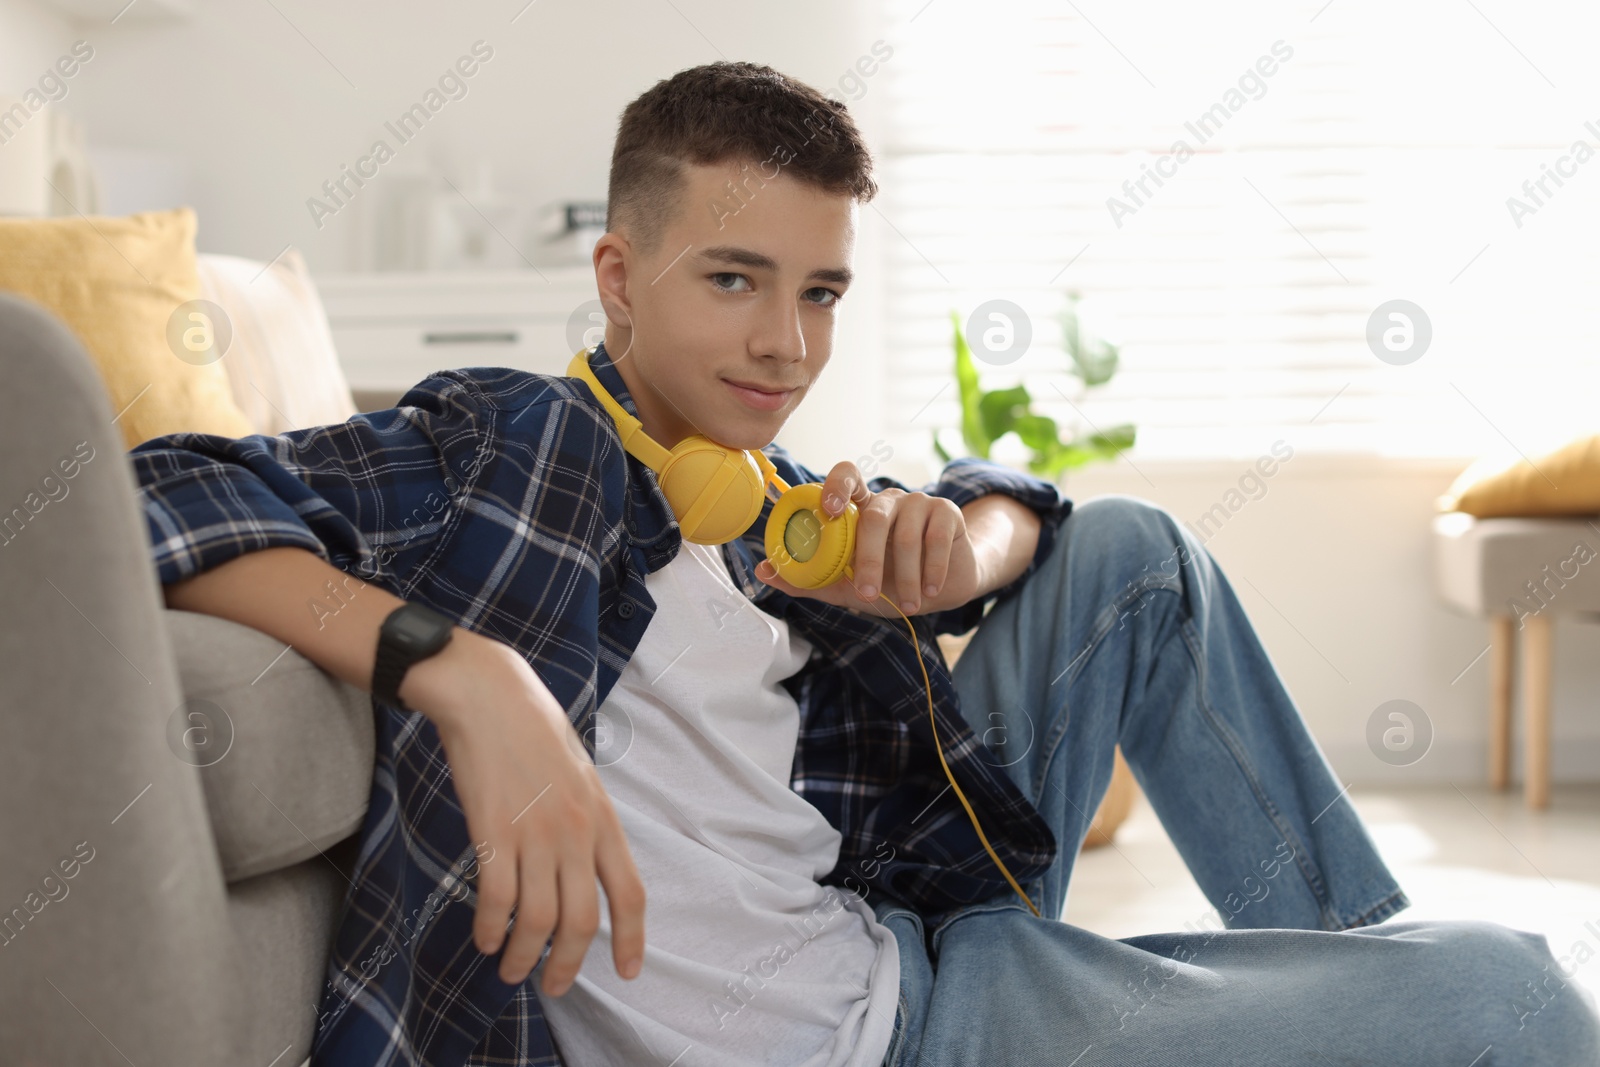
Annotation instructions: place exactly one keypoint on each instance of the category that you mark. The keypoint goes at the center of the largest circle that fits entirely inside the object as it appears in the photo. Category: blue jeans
(1130, 634)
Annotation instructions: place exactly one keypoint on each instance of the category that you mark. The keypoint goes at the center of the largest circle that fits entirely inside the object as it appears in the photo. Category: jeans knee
(1531, 1000)
(1134, 536)
(1490, 948)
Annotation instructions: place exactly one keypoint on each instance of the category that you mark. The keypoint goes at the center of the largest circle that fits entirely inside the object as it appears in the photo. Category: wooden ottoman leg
(1502, 654)
(1537, 650)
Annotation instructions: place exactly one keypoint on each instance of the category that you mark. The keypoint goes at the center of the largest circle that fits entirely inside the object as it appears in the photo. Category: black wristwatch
(412, 632)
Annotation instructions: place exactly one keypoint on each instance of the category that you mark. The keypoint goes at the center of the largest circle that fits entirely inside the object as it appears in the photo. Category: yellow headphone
(716, 493)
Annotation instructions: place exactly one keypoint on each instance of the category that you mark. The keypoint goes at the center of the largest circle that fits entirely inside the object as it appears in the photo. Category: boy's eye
(716, 279)
(819, 295)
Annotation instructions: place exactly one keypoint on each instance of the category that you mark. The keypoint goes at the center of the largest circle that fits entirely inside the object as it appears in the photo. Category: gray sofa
(181, 795)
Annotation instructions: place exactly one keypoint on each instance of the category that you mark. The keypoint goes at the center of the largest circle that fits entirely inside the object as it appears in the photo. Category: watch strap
(394, 658)
(388, 670)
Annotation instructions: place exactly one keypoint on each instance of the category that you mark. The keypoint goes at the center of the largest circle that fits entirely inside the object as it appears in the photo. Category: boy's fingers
(844, 482)
(497, 894)
(767, 573)
(872, 535)
(909, 530)
(577, 922)
(537, 910)
(625, 899)
(936, 562)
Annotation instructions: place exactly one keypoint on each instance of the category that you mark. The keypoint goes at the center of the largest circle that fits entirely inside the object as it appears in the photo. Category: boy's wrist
(426, 682)
(1005, 533)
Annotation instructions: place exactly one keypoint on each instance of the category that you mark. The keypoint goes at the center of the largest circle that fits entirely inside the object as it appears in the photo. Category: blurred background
(1286, 268)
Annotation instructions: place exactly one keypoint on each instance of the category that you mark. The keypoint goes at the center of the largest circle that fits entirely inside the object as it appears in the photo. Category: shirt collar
(604, 369)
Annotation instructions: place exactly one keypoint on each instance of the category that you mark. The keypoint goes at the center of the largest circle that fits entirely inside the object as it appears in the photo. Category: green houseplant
(988, 415)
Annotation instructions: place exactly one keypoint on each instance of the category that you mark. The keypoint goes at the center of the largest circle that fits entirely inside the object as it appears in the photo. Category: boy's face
(742, 289)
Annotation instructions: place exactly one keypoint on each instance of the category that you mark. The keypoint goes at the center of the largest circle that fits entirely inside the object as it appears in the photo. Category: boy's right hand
(531, 793)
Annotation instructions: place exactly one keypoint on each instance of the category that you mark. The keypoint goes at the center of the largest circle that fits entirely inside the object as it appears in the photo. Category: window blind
(1314, 162)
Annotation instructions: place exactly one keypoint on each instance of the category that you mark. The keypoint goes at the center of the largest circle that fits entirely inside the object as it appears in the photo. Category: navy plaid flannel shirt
(505, 500)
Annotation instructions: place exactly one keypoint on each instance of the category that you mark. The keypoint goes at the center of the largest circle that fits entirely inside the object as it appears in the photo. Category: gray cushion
(1484, 566)
(283, 927)
(296, 775)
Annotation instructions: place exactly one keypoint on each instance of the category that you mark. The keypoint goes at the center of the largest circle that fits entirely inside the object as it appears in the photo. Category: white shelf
(393, 329)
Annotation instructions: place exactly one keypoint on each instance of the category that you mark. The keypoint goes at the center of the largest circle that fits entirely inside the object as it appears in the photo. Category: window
(1333, 159)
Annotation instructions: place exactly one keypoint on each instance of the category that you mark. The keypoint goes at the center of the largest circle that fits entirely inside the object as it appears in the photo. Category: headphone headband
(634, 439)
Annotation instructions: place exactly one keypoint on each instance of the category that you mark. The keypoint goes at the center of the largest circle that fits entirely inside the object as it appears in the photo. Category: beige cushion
(117, 282)
(1565, 481)
(1515, 566)
(298, 774)
(281, 366)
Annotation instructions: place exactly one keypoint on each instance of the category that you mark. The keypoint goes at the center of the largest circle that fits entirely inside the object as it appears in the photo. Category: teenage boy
(763, 758)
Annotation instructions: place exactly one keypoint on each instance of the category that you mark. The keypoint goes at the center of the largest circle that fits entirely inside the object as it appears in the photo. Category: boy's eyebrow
(746, 257)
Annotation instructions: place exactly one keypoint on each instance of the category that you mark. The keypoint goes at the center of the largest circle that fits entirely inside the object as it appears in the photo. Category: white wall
(244, 113)
(31, 36)
(265, 108)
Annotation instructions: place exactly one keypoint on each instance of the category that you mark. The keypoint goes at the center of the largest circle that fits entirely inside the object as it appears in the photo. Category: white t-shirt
(748, 960)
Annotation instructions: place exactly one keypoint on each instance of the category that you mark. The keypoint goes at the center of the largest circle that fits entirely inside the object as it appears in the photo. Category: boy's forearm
(330, 617)
(1004, 533)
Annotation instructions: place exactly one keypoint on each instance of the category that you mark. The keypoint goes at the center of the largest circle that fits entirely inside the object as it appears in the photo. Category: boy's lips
(761, 396)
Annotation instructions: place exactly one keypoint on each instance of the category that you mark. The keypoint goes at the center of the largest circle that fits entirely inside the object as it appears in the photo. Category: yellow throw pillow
(118, 285)
(1563, 482)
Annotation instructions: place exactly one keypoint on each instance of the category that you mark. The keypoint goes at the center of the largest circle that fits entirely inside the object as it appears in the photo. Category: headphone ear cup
(810, 548)
(716, 492)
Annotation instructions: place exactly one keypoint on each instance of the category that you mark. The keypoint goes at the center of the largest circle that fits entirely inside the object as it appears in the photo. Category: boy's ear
(612, 256)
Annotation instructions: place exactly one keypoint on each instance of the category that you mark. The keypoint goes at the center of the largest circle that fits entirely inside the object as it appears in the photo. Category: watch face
(414, 630)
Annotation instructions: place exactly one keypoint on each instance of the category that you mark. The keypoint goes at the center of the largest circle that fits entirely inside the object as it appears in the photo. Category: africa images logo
(452, 85)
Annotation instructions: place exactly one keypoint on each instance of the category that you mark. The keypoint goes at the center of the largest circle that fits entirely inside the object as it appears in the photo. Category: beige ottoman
(1519, 573)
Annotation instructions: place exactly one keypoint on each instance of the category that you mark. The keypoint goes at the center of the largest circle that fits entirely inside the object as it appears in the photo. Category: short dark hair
(727, 111)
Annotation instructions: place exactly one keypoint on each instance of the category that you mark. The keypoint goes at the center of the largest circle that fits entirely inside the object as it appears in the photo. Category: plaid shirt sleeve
(368, 495)
(962, 481)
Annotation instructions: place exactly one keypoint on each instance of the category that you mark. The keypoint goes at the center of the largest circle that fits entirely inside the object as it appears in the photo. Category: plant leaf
(1094, 361)
(1111, 441)
(1001, 408)
(1039, 433)
(972, 431)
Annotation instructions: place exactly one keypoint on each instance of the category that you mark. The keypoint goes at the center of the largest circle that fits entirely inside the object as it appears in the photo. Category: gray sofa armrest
(119, 945)
(285, 749)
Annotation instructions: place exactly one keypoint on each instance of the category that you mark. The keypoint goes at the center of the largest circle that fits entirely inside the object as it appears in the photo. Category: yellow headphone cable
(939, 748)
